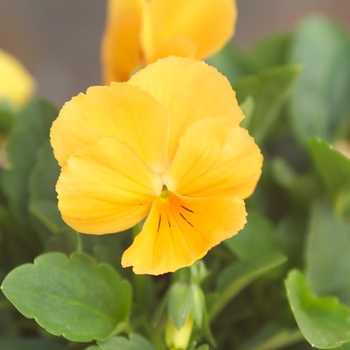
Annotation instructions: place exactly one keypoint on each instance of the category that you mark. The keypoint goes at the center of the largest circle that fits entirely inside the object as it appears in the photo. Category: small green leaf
(323, 321)
(44, 175)
(332, 166)
(73, 297)
(247, 107)
(203, 347)
(269, 89)
(198, 272)
(284, 174)
(231, 63)
(200, 314)
(270, 51)
(258, 249)
(327, 253)
(28, 134)
(319, 103)
(48, 215)
(256, 240)
(179, 303)
(198, 304)
(135, 342)
(302, 189)
(239, 275)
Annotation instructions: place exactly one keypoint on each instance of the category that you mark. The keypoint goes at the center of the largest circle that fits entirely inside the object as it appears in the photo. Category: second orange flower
(139, 32)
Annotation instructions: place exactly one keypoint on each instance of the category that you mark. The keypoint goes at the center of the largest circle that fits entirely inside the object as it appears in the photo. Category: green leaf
(333, 168)
(7, 116)
(323, 321)
(327, 253)
(193, 346)
(203, 347)
(198, 304)
(270, 51)
(28, 134)
(284, 174)
(247, 107)
(302, 189)
(198, 272)
(65, 243)
(179, 303)
(73, 297)
(42, 203)
(239, 275)
(319, 104)
(269, 89)
(256, 240)
(231, 63)
(48, 215)
(44, 175)
(271, 337)
(29, 344)
(18, 244)
(135, 342)
(200, 314)
(145, 296)
(291, 232)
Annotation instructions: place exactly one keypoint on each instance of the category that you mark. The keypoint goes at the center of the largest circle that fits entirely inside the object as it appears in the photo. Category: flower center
(164, 194)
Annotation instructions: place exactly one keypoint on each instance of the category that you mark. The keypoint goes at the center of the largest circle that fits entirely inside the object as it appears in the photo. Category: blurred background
(59, 40)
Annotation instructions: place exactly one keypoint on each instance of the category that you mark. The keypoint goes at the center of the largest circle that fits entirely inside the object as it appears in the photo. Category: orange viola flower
(16, 84)
(139, 32)
(165, 146)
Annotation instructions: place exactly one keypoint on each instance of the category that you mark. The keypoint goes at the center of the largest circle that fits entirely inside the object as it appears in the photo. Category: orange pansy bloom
(139, 32)
(165, 146)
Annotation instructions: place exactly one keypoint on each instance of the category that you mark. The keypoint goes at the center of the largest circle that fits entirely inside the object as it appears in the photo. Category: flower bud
(178, 339)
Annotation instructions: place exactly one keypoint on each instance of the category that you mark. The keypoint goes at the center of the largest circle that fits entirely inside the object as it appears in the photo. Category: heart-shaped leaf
(324, 322)
(73, 297)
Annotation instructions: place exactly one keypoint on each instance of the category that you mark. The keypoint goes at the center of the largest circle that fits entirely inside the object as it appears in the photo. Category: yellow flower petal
(105, 187)
(180, 230)
(215, 157)
(121, 48)
(120, 110)
(207, 24)
(190, 90)
(16, 84)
